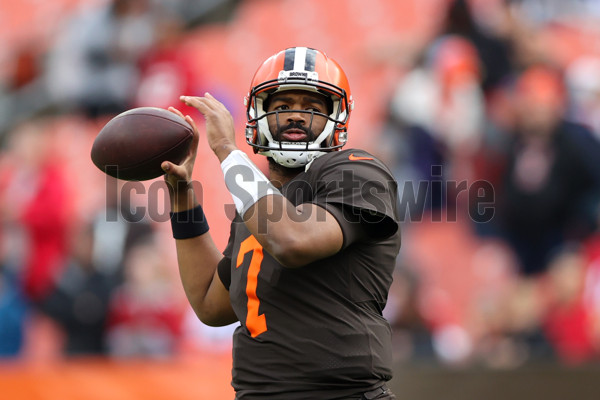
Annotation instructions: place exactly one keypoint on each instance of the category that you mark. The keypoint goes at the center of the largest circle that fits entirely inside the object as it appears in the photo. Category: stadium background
(468, 321)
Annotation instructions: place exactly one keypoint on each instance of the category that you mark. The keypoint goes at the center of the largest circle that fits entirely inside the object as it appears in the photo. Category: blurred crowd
(489, 104)
(499, 129)
(97, 275)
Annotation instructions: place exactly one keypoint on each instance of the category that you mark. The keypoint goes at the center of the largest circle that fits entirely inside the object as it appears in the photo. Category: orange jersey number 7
(255, 323)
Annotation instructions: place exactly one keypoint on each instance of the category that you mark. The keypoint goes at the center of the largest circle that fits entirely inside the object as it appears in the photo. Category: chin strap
(316, 155)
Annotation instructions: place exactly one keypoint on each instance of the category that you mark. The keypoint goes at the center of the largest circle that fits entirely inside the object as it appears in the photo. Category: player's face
(288, 124)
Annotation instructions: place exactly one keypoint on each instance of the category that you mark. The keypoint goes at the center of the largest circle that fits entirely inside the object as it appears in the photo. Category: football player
(312, 248)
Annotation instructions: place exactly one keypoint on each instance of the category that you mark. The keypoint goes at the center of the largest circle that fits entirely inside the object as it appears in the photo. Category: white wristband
(246, 183)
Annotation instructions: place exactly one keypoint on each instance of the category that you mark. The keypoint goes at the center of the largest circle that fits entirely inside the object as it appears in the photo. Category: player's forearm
(293, 236)
(197, 262)
(182, 198)
(198, 258)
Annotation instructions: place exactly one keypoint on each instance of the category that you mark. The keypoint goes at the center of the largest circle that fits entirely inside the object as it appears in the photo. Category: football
(132, 145)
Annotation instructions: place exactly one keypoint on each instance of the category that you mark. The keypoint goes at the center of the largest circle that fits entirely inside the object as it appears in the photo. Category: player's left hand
(220, 129)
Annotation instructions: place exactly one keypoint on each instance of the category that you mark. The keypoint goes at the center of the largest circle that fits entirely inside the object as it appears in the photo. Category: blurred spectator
(519, 337)
(146, 314)
(591, 290)
(117, 229)
(583, 82)
(411, 337)
(491, 39)
(35, 207)
(200, 338)
(436, 120)
(79, 302)
(552, 176)
(193, 12)
(93, 63)
(568, 321)
(85, 288)
(21, 90)
(166, 70)
(540, 12)
(13, 314)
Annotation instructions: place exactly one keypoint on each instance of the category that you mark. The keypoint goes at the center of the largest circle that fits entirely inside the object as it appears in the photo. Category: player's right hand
(220, 129)
(178, 177)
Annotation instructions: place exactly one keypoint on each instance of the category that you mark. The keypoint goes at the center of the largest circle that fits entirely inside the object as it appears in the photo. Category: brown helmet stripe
(311, 57)
(288, 63)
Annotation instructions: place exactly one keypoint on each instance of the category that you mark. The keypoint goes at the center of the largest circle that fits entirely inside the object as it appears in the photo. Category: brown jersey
(317, 331)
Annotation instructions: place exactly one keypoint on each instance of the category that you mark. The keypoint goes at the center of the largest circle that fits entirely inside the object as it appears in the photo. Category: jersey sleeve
(224, 266)
(361, 193)
(224, 271)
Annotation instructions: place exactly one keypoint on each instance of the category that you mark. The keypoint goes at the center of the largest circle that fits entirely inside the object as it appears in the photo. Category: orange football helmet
(298, 68)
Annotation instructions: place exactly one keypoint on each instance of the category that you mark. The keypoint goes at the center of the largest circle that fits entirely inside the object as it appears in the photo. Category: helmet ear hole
(266, 103)
(329, 102)
(341, 138)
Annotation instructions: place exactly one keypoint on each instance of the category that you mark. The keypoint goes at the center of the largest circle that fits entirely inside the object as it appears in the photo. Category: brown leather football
(132, 145)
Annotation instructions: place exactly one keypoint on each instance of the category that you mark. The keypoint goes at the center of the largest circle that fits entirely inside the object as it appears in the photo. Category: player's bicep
(370, 212)
(316, 235)
(324, 227)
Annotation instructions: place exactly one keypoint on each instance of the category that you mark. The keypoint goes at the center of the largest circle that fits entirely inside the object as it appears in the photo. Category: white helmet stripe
(300, 59)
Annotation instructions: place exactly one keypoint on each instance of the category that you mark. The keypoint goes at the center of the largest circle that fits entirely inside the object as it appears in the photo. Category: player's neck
(280, 175)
